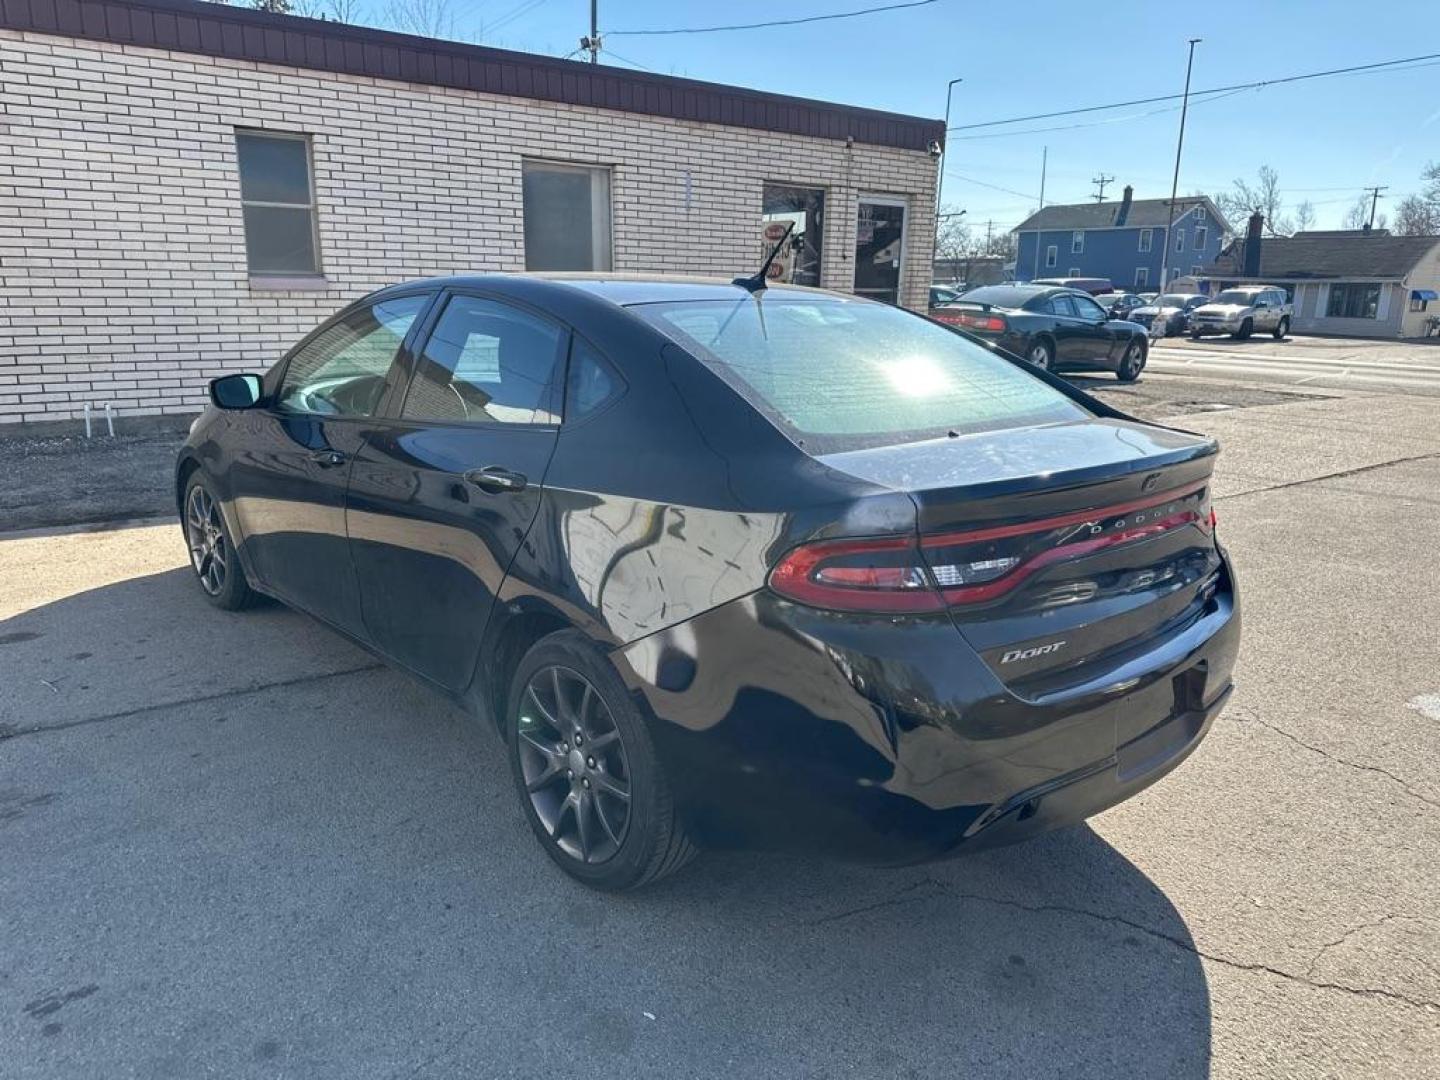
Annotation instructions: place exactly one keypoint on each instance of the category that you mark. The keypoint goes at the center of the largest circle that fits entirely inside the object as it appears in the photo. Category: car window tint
(836, 374)
(590, 382)
(1063, 305)
(342, 370)
(486, 362)
(1087, 308)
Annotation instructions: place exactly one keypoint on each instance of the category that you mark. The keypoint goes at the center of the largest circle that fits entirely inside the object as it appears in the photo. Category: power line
(1200, 93)
(992, 187)
(626, 60)
(777, 22)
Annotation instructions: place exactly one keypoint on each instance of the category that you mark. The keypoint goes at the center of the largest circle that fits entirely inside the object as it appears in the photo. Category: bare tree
(342, 11)
(1304, 216)
(1358, 216)
(428, 18)
(953, 241)
(1419, 214)
(1244, 198)
(275, 7)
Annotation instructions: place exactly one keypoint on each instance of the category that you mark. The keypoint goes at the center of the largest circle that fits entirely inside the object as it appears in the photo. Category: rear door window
(837, 374)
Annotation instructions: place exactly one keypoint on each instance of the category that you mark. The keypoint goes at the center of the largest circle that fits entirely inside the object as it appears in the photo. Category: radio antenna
(757, 282)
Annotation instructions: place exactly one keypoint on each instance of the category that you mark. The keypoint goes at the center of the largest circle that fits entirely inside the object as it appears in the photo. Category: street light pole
(945, 150)
(1175, 182)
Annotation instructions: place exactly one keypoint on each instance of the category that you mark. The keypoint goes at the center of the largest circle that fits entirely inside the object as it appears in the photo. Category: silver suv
(1241, 311)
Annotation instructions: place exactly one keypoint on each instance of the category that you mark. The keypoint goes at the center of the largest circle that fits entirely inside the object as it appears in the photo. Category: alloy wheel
(1040, 355)
(205, 534)
(574, 764)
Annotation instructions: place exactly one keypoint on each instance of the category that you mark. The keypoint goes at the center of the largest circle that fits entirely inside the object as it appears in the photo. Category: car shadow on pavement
(242, 847)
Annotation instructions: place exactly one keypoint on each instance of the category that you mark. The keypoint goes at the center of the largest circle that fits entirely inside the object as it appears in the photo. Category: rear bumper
(890, 741)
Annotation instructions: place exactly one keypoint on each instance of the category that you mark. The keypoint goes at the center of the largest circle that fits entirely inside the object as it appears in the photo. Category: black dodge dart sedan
(1053, 328)
(732, 566)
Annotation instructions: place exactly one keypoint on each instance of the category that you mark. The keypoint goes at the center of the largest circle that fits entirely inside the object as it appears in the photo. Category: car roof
(621, 289)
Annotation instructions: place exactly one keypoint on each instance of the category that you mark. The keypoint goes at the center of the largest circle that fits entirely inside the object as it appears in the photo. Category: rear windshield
(841, 375)
(1235, 296)
(1005, 296)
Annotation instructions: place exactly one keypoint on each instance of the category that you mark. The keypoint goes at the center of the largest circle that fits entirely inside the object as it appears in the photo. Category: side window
(590, 383)
(487, 363)
(1088, 309)
(1063, 305)
(342, 370)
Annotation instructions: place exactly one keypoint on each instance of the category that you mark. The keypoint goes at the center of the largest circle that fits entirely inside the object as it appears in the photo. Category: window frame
(1077, 242)
(590, 169)
(312, 207)
(1142, 277)
(1146, 241)
(1202, 237)
(1348, 288)
(1179, 240)
(1052, 256)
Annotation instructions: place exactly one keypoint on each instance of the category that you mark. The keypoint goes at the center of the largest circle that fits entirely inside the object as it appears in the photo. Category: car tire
(1132, 363)
(1194, 335)
(1246, 329)
(607, 818)
(212, 553)
(1281, 329)
(1041, 354)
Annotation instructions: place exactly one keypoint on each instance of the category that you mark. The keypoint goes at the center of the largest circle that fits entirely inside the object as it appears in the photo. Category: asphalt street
(234, 845)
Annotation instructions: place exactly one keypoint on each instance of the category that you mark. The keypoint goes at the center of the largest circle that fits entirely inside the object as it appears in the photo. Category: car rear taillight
(994, 323)
(900, 574)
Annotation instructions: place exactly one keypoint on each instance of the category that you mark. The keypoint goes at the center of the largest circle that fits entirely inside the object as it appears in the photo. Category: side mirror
(235, 391)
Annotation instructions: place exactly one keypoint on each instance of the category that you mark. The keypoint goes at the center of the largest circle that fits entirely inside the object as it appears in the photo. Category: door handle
(496, 480)
(327, 458)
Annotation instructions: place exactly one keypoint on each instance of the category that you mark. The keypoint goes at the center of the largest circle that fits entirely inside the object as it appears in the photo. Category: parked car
(1119, 303)
(1053, 328)
(1171, 309)
(1241, 311)
(943, 294)
(1092, 285)
(791, 570)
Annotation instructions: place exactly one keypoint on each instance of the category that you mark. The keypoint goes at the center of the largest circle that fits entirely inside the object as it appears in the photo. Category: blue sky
(1327, 138)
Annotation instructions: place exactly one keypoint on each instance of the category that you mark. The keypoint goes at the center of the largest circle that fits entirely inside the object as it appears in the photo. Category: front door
(879, 248)
(1096, 337)
(442, 495)
(288, 493)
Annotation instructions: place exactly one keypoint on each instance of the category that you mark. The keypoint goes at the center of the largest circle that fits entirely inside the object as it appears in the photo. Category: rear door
(443, 491)
(1079, 339)
(288, 492)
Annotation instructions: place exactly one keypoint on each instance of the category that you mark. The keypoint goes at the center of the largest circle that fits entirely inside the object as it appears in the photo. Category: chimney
(1252, 244)
(1123, 213)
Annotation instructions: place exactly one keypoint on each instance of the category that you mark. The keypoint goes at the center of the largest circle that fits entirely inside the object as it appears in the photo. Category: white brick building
(126, 273)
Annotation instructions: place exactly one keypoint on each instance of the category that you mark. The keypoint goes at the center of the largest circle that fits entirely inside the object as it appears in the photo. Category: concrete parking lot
(235, 845)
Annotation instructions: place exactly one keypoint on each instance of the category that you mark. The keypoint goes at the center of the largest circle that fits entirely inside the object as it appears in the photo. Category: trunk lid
(1062, 548)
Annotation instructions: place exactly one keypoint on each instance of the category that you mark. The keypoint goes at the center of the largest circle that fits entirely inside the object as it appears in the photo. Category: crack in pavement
(16, 732)
(1242, 716)
(936, 888)
(1370, 925)
(1328, 476)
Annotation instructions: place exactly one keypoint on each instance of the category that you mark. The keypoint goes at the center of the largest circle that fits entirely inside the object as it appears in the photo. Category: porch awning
(1424, 294)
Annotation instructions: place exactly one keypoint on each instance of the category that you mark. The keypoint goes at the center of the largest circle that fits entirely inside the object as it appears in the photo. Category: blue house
(1123, 241)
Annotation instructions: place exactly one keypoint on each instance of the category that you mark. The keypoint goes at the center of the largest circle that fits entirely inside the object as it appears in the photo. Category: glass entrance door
(879, 248)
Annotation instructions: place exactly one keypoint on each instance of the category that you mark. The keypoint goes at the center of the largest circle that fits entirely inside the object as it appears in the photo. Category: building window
(1077, 242)
(1074, 271)
(1052, 257)
(1199, 221)
(1202, 234)
(1353, 302)
(799, 261)
(1147, 237)
(567, 216)
(1142, 276)
(1196, 270)
(1179, 239)
(1418, 303)
(278, 202)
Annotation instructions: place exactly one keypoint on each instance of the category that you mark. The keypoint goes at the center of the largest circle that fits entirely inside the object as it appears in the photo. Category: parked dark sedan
(782, 569)
(1119, 304)
(1054, 329)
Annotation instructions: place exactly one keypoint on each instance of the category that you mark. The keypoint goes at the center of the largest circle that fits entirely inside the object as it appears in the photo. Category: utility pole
(592, 43)
(1374, 198)
(1175, 180)
(945, 148)
(1044, 161)
(989, 231)
(1101, 181)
